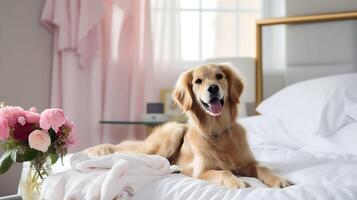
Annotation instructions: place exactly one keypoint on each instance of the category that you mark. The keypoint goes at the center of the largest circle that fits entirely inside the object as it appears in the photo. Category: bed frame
(287, 21)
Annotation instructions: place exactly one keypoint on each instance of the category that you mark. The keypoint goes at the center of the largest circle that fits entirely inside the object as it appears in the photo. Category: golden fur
(212, 146)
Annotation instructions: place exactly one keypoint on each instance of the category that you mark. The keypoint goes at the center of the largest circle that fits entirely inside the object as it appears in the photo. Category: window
(211, 28)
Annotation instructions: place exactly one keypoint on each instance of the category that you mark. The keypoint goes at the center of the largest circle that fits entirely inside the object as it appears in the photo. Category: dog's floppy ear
(235, 83)
(183, 94)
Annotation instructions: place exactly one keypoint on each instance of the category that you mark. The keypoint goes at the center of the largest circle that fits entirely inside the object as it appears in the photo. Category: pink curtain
(102, 65)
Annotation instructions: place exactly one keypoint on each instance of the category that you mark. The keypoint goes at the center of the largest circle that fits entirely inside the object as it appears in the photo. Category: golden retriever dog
(212, 146)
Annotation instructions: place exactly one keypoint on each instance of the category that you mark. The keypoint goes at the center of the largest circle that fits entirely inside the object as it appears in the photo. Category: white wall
(311, 7)
(25, 64)
(273, 44)
(314, 50)
(290, 52)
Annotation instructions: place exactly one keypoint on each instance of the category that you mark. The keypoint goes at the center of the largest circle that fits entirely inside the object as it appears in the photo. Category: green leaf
(6, 161)
(52, 134)
(29, 155)
(54, 158)
(51, 149)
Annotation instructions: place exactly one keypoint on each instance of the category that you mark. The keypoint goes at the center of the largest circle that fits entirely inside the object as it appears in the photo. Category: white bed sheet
(316, 176)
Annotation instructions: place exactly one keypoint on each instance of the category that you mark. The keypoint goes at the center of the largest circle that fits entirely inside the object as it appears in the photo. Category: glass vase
(32, 176)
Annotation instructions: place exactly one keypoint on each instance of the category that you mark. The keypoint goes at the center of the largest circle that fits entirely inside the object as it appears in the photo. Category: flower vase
(32, 177)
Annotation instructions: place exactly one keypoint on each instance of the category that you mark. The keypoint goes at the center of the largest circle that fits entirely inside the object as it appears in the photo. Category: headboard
(313, 72)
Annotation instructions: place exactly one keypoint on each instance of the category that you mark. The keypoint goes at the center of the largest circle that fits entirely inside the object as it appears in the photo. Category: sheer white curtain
(187, 32)
(166, 32)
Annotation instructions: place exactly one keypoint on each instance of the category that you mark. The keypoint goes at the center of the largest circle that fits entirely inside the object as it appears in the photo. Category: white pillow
(339, 110)
(301, 105)
(352, 112)
(342, 142)
(263, 130)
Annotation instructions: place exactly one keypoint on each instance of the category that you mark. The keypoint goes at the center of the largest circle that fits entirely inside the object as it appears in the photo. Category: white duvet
(316, 175)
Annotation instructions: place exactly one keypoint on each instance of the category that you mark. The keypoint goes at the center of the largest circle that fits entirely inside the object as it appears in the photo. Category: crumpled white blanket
(116, 176)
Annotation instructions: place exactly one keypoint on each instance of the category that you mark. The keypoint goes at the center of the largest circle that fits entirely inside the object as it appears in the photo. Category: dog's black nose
(213, 89)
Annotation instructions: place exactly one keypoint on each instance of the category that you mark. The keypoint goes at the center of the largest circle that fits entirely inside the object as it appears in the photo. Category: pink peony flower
(33, 109)
(22, 132)
(39, 140)
(11, 113)
(4, 128)
(32, 117)
(71, 139)
(21, 120)
(52, 118)
(69, 124)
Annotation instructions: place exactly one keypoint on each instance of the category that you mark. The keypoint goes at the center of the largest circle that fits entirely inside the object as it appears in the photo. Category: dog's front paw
(238, 184)
(280, 182)
(100, 150)
(244, 185)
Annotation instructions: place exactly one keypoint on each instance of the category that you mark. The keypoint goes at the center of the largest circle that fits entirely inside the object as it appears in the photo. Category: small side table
(150, 125)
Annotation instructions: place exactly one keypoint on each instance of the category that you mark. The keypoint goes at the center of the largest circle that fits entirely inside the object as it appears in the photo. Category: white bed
(316, 175)
(311, 140)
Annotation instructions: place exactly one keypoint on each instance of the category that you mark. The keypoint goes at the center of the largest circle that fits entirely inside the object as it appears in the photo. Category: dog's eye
(198, 81)
(219, 76)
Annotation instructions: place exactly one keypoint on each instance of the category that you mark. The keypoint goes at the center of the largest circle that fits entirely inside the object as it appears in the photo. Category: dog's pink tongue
(215, 107)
